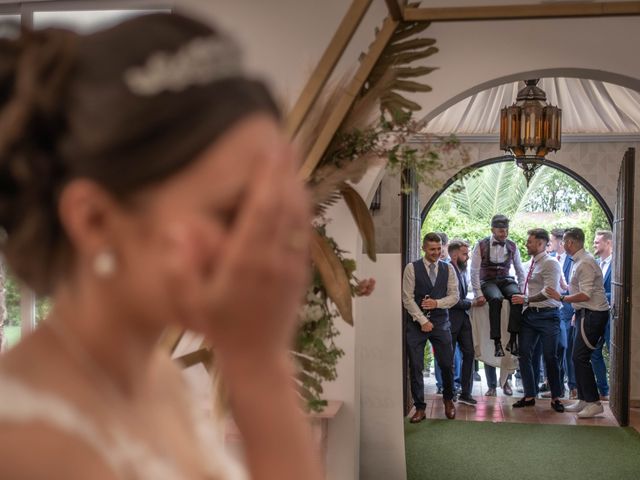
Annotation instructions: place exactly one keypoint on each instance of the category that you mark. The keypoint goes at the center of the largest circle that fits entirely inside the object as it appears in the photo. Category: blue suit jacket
(460, 310)
(607, 284)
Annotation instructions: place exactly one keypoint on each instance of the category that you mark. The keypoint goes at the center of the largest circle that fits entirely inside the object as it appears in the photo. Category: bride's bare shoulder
(35, 450)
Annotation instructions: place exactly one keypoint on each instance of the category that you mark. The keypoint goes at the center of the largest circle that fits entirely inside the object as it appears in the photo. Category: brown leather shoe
(573, 394)
(506, 388)
(449, 409)
(418, 416)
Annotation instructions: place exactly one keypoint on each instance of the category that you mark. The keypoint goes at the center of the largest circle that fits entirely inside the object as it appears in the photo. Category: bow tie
(496, 242)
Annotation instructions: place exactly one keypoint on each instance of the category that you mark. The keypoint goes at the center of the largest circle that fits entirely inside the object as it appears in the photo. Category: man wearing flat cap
(491, 262)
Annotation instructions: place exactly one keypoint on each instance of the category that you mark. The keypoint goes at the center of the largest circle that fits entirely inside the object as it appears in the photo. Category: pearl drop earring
(104, 264)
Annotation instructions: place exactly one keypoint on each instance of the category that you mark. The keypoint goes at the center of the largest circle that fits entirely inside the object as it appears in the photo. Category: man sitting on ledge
(490, 263)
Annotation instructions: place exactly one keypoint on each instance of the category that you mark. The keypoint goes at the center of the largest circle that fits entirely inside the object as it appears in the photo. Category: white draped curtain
(588, 106)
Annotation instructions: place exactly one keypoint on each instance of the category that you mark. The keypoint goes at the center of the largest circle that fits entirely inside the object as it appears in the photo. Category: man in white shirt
(587, 295)
(429, 289)
(540, 320)
(491, 261)
(603, 248)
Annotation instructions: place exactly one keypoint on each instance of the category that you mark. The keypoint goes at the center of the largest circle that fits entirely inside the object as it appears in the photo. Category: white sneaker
(591, 410)
(576, 407)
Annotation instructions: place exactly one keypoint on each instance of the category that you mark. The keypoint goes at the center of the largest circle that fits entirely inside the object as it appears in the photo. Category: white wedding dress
(127, 457)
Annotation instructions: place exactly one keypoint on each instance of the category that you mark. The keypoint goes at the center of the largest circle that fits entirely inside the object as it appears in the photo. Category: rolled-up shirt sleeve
(452, 290)
(408, 288)
(476, 262)
(587, 279)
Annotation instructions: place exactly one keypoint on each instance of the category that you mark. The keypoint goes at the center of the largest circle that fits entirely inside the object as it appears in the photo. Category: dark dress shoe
(506, 388)
(477, 377)
(499, 351)
(490, 393)
(524, 403)
(467, 400)
(418, 416)
(449, 409)
(512, 347)
(557, 406)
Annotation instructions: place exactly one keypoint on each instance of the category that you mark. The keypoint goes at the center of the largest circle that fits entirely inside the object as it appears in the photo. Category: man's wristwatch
(562, 298)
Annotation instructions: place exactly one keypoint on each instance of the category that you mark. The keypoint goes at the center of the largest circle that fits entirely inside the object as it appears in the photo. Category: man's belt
(542, 309)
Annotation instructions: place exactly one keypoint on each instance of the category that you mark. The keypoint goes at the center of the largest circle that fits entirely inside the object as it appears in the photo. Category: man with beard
(491, 261)
(540, 320)
(459, 317)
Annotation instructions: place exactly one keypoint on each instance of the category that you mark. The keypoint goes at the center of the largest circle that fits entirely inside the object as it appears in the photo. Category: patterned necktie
(432, 273)
(526, 282)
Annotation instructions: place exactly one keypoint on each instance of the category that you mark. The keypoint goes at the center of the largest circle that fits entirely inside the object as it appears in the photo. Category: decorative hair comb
(201, 61)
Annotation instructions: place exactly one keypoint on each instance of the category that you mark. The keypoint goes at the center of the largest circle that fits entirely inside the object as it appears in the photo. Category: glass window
(9, 25)
(86, 21)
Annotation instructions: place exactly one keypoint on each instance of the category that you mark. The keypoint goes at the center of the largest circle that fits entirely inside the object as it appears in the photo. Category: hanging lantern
(529, 129)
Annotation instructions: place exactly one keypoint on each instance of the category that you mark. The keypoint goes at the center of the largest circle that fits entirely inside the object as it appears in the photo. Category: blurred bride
(145, 183)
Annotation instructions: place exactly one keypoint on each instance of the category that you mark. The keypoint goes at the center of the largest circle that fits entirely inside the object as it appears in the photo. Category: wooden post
(512, 12)
(327, 63)
(348, 96)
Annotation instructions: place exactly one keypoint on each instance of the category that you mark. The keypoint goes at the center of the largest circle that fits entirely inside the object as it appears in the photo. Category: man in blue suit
(461, 333)
(603, 248)
(565, 343)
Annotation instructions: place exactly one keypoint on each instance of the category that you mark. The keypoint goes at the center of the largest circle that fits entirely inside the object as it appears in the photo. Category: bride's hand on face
(248, 300)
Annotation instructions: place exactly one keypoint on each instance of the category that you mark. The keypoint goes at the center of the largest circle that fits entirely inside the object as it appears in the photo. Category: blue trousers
(540, 326)
(492, 377)
(457, 368)
(597, 362)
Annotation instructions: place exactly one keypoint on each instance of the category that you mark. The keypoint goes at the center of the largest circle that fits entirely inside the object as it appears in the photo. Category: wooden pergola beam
(326, 65)
(203, 356)
(396, 8)
(348, 96)
(513, 12)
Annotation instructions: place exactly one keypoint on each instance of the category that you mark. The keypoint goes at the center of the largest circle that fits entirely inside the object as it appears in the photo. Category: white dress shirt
(497, 254)
(546, 273)
(409, 286)
(586, 277)
(605, 265)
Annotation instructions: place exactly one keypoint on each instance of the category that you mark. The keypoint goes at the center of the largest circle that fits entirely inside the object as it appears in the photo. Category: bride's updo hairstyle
(125, 107)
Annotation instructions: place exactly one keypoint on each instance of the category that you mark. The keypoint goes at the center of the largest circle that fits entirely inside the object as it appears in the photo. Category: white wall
(379, 341)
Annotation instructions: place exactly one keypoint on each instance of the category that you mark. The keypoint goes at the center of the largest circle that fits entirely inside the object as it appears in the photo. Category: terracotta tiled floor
(498, 409)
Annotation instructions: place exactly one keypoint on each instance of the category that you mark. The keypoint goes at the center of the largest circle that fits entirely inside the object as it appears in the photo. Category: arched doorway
(620, 349)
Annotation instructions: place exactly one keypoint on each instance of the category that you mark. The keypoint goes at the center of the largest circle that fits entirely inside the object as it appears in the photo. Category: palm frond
(334, 277)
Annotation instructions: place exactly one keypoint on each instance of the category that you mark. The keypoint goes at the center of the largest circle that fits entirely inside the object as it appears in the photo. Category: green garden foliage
(552, 200)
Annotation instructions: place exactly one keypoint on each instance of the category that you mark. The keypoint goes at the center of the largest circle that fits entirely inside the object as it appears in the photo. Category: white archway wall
(597, 163)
